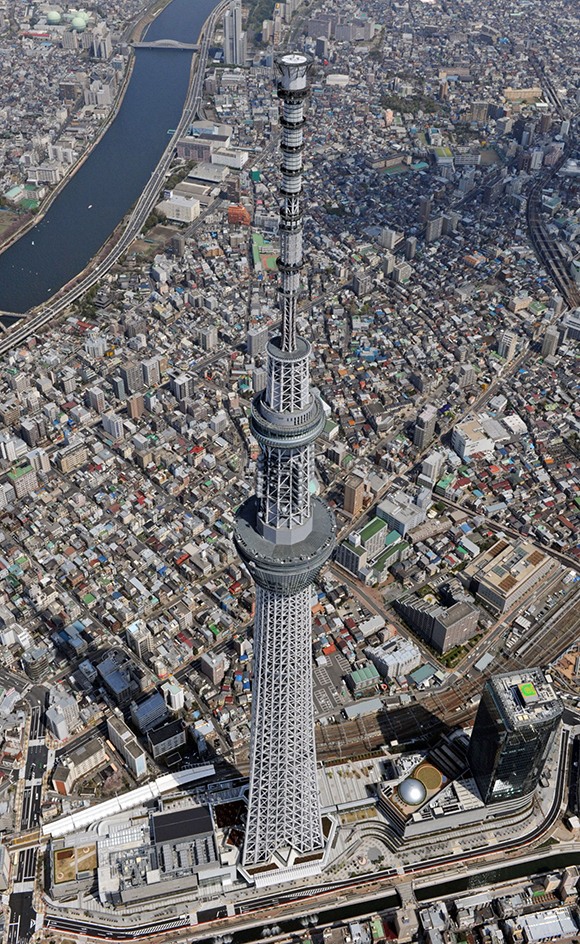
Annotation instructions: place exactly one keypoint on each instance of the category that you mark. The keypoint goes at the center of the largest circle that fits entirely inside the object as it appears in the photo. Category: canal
(388, 900)
(509, 873)
(111, 179)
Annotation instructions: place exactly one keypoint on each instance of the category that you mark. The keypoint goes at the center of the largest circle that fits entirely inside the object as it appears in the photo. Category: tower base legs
(284, 818)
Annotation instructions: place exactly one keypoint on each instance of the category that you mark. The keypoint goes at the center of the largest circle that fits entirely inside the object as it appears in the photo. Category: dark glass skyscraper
(516, 721)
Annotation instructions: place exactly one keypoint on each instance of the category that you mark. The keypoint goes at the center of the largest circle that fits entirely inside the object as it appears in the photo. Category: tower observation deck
(284, 535)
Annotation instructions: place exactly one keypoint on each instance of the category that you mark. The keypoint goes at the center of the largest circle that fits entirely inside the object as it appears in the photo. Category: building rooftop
(506, 565)
(372, 528)
(165, 732)
(83, 753)
(182, 824)
(525, 698)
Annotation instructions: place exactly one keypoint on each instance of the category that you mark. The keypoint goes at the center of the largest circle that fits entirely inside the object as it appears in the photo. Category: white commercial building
(176, 207)
(401, 513)
(470, 438)
(174, 695)
(113, 425)
(394, 657)
(129, 748)
(230, 158)
(432, 466)
(551, 925)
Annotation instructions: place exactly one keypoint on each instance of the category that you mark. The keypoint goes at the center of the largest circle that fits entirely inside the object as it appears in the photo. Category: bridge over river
(167, 44)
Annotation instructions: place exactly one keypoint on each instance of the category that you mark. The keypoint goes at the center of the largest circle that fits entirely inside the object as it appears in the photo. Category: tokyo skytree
(284, 534)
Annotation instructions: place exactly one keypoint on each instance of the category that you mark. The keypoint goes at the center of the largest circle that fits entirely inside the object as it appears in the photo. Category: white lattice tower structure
(284, 535)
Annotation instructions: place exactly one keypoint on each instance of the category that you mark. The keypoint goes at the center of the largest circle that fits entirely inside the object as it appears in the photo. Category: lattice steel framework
(284, 535)
(284, 806)
(282, 486)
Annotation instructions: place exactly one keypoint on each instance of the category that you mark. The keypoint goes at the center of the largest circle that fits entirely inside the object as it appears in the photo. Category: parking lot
(330, 689)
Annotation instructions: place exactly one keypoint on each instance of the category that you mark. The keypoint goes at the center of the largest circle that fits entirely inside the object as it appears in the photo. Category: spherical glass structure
(412, 791)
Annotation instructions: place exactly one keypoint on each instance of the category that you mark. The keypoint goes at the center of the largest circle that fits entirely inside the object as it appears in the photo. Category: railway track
(440, 711)
(544, 246)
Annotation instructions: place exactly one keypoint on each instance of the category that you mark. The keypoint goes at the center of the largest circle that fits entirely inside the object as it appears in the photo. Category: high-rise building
(450, 221)
(551, 341)
(234, 37)
(431, 466)
(478, 111)
(389, 238)
(148, 712)
(36, 662)
(321, 49)
(23, 479)
(214, 666)
(362, 283)
(150, 368)
(284, 535)
(259, 378)
(209, 337)
(571, 325)
(440, 627)
(139, 638)
(465, 375)
(182, 386)
(433, 229)
(388, 263)
(135, 406)
(29, 432)
(425, 426)
(354, 488)
(256, 340)
(113, 425)
(39, 459)
(506, 344)
(72, 457)
(119, 388)
(402, 272)
(132, 376)
(424, 209)
(518, 716)
(126, 743)
(173, 694)
(95, 399)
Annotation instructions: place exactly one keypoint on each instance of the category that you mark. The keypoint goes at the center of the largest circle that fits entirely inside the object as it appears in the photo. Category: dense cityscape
(290, 479)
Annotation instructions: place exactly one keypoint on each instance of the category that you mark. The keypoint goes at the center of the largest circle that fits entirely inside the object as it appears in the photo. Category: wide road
(145, 203)
(22, 921)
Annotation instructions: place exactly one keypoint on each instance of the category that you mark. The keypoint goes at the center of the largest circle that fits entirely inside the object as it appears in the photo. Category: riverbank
(136, 32)
(115, 236)
(139, 29)
(96, 198)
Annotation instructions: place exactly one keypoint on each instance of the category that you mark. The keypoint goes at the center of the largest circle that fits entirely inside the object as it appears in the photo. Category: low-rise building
(77, 764)
(167, 738)
(505, 572)
(395, 657)
(440, 627)
(363, 680)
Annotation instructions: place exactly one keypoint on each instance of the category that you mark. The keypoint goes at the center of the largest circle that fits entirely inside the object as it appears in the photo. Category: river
(95, 200)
